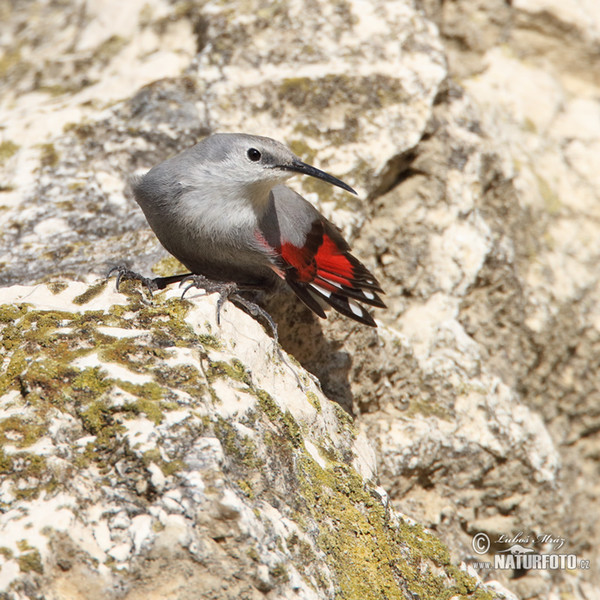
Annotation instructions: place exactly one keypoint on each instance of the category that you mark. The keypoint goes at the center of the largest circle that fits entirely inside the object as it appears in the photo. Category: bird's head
(253, 162)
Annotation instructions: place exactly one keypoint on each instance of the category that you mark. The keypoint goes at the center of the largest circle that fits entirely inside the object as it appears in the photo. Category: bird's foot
(152, 285)
(228, 291)
(124, 273)
(225, 289)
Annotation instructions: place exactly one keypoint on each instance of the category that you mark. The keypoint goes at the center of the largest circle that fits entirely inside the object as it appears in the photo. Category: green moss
(10, 58)
(7, 149)
(5, 462)
(234, 370)
(146, 15)
(168, 467)
(279, 573)
(109, 48)
(209, 341)
(172, 466)
(168, 266)
(241, 448)
(56, 287)
(148, 402)
(58, 89)
(427, 408)
(129, 353)
(368, 92)
(12, 373)
(47, 377)
(344, 419)
(157, 526)
(16, 431)
(97, 419)
(252, 554)
(83, 131)
(301, 149)
(92, 382)
(246, 488)
(31, 561)
(49, 156)
(11, 312)
(38, 349)
(290, 429)
(269, 406)
(302, 550)
(314, 400)
(93, 290)
(325, 191)
(31, 475)
(329, 451)
(529, 126)
(373, 559)
(7, 553)
(183, 377)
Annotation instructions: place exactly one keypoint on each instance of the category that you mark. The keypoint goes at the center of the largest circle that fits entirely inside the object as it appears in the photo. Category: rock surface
(147, 451)
(161, 454)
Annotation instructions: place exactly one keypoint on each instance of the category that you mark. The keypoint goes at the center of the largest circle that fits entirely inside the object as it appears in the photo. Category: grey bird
(220, 208)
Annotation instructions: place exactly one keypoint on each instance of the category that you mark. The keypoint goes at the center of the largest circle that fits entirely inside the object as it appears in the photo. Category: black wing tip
(307, 298)
(342, 305)
(367, 319)
(362, 295)
(362, 276)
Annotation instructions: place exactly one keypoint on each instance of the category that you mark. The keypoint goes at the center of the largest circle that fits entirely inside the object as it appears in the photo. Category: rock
(470, 129)
(263, 485)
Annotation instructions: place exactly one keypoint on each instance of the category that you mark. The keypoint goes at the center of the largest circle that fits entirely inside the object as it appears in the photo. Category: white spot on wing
(369, 295)
(357, 310)
(321, 290)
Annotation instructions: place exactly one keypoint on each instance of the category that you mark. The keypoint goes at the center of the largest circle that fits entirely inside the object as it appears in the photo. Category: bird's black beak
(299, 167)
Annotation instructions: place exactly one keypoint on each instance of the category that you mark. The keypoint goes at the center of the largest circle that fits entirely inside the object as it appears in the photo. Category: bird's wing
(315, 260)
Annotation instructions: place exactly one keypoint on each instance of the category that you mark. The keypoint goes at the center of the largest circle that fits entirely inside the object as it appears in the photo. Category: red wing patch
(333, 264)
(301, 260)
(324, 268)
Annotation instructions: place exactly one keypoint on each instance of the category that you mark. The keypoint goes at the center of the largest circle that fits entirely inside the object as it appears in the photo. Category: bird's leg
(228, 291)
(125, 273)
(225, 290)
(152, 285)
(162, 282)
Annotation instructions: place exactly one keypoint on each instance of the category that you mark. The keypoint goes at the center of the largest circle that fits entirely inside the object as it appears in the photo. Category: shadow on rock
(301, 335)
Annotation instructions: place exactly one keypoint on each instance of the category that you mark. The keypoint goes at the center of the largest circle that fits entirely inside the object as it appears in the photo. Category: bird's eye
(253, 154)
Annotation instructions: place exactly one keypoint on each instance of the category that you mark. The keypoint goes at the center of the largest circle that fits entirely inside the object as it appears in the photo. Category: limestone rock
(470, 130)
(145, 450)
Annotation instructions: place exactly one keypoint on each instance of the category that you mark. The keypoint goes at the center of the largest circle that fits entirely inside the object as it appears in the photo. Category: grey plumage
(220, 208)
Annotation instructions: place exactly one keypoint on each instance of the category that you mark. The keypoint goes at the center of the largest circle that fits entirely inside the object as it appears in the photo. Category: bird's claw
(125, 273)
(225, 289)
(229, 291)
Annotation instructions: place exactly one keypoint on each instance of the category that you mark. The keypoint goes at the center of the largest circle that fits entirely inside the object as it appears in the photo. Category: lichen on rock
(147, 432)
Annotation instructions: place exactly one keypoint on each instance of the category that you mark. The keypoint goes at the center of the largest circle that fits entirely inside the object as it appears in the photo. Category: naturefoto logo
(520, 556)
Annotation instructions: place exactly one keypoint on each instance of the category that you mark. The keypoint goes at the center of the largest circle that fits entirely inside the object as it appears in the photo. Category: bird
(222, 209)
